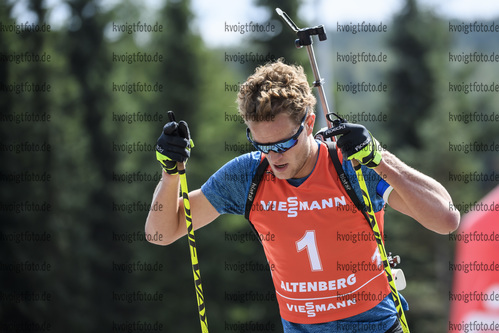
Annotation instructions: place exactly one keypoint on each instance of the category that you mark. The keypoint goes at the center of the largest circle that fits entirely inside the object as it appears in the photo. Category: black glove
(355, 142)
(174, 144)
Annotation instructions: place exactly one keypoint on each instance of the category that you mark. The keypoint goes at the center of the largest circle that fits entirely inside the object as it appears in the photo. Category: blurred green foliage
(96, 232)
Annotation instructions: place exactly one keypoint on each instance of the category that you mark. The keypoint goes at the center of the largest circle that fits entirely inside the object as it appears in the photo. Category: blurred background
(83, 97)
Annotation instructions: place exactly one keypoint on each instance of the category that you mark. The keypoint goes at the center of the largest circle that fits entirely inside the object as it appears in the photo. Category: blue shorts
(380, 319)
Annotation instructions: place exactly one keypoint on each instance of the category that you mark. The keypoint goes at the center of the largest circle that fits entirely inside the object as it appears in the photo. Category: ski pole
(377, 235)
(192, 242)
(305, 39)
(192, 246)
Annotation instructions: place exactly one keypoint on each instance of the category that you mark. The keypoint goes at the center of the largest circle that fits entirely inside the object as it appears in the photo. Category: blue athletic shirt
(227, 190)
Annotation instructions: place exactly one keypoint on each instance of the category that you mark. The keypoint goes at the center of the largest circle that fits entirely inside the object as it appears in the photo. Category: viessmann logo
(292, 205)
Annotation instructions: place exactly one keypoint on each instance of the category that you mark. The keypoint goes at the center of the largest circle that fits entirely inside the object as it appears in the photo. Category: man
(301, 202)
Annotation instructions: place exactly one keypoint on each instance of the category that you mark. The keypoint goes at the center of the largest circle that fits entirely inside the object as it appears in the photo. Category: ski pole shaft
(381, 248)
(192, 246)
(305, 39)
(319, 83)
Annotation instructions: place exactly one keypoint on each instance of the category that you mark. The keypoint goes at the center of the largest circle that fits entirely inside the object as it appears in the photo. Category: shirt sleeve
(227, 189)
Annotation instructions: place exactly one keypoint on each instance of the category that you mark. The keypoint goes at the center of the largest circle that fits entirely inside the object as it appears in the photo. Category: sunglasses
(280, 146)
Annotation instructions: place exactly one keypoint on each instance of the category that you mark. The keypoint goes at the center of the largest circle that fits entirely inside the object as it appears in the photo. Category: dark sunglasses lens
(264, 149)
(285, 146)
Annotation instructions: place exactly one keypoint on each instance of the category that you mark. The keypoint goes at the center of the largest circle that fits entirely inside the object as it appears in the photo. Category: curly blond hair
(276, 88)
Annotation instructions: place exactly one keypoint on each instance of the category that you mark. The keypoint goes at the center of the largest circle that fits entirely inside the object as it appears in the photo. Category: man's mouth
(280, 167)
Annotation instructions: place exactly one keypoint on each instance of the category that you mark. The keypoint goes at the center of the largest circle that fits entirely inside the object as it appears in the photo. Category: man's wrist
(165, 174)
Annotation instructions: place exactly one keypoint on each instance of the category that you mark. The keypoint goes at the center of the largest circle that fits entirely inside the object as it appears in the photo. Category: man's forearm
(419, 196)
(164, 221)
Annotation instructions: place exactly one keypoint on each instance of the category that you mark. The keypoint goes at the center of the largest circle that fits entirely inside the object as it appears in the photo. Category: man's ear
(310, 122)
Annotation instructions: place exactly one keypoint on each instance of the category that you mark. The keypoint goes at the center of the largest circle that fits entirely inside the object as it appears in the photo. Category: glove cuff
(370, 156)
(375, 157)
(167, 164)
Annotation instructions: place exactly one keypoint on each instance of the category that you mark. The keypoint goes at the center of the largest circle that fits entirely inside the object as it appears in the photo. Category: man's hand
(173, 145)
(356, 142)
